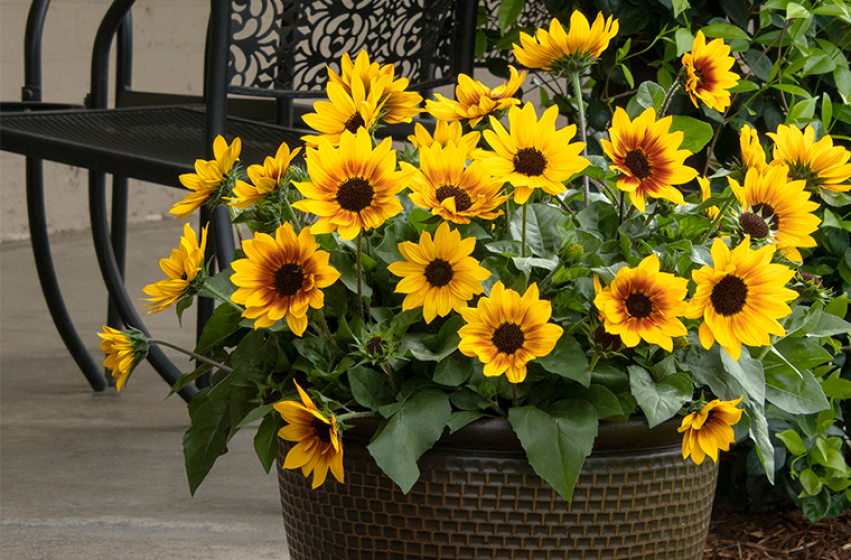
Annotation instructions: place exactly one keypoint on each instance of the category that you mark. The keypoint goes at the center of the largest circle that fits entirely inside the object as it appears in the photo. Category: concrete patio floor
(94, 476)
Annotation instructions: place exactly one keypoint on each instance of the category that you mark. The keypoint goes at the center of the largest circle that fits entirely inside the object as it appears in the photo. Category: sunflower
(181, 268)
(534, 154)
(354, 186)
(706, 194)
(318, 448)
(281, 277)
(708, 76)
(820, 164)
(753, 154)
(265, 178)
(643, 303)
(740, 297)
(209, 177)
(344, 111)
(399, 105)
(452, 191)
(124, 351)
(505, 331)
(773, 207)
(476, 100)
(561, 51)
(438, 275)
(709, 430)
(444, 134)
(648, 157)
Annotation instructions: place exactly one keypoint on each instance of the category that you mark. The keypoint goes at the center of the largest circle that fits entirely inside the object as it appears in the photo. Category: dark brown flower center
(375, 346)
(321, 430)
(439, 273)
(530, 162)
(753, 225)
(355, 122)
(729, 295)
(766, 211)
(699, 75)
(288, 279)
(462, 199)
(508, 338)
(639, 305)
(638, 164)
(184, 276)
(355, 194)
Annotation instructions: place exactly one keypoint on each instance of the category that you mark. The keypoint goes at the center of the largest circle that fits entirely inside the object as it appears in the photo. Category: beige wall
(169, 40)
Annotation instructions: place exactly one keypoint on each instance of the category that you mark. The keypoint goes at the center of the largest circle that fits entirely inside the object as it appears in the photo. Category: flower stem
(577, 87)
(223, 298)
(192, 354)
(669, 95)
(238, 227)
(360, 278)
(515, 402)
(323, 326)
(523, 248)
(548, 279)
(356, 415)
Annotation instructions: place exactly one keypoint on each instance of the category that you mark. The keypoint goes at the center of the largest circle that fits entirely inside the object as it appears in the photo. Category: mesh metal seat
(267, 48)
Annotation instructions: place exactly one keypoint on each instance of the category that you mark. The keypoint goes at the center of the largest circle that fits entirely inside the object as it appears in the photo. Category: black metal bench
(160, 140)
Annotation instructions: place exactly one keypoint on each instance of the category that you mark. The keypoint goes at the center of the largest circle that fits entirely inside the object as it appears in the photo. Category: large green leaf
(556, 445)
(207, 439)
(696, 134)
(707, 368)
(754, 415)
(266, 440)
(454, 370)
(348, 273)
(659, 400)
(541, 228)
(222, 324)
(567, 360)
(410, 432)
(798, 394)
(369, 387)
(748, 372)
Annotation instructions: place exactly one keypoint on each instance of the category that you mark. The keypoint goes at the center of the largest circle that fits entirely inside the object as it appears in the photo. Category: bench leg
(47, 277)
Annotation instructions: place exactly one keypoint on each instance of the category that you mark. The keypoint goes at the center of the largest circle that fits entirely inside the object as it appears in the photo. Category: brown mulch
(776, 534)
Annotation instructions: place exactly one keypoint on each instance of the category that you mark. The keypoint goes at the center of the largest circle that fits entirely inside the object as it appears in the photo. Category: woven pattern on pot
(648, 505)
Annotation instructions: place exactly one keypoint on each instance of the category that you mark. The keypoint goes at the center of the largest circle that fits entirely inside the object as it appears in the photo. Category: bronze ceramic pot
(478, 498)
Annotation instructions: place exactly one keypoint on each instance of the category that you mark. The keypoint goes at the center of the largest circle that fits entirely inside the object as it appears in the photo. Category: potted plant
(494, 344)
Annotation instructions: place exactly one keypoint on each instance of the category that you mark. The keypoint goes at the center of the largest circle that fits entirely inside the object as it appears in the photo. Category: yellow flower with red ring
(708, 75)
(476, 100)
(317, 448)
(707, 431)
(282, 277)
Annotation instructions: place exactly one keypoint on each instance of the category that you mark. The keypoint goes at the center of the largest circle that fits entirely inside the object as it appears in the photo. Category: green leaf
(207, 439)
(802, 111)
(835, 387)
(369, 387)
(556, 445)
(758, 429)
(567, 360)
(461, 418)
(815, 507)
(650, 94)
(842, 77)
(809, 480)
(508, 12)
(255, 414)
(793, 89)
(684, 40)
(826, 110)
(679, 7)
(604, 401)
(748, 372)
(542, 223)
(266, 441)
(828, 453)
(793, 442)
(220, 283)
(454, 370)
(796, 11)
(223, 323)
(410, 432)
(696, 134)
(318, 351)
(794, 394)
(659, 400)
(725, 31)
